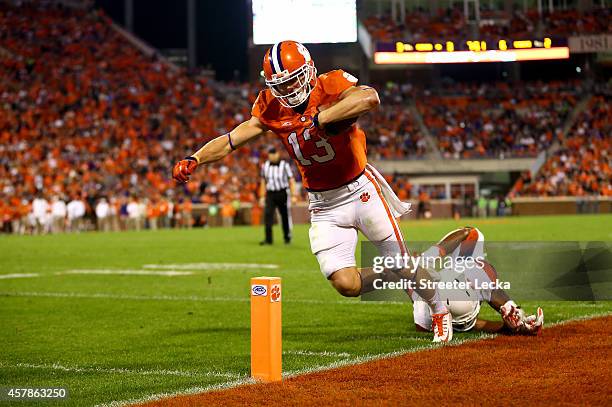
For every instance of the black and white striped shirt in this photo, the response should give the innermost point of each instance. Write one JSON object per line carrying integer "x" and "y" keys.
{"x": 276, "y": 176}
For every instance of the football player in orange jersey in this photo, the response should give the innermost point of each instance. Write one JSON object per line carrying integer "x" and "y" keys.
{"x": 315, "y": 117}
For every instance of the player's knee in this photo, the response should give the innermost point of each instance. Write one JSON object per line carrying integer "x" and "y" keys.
{"x": 347, "y": 282}
{"x": 348, "y": 291}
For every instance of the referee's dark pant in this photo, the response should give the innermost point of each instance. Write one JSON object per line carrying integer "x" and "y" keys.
{"x": 277, "y": 200}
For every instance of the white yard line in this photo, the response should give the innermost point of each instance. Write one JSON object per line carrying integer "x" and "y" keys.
{"x": 313, "y": 353}
{"x": 113, "y": 370}
{"x": 390, "y": 338}
{"x": 121, "y": 296}
{"x": 333, "y": 365}
{"x": 178, "y": 298}
{"x": 190, "y": 391}
{"x": 129, "y": 272}
{"x": 211, "y": 266}
{"x": 18, "y": 275}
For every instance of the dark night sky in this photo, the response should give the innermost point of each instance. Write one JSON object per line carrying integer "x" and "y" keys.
{"x": 222, "y": 29}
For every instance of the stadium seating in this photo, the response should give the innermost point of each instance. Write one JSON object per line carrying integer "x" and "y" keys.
{"x": 570, "y": 22}
{"x": 418, "y": 26}
{"x": 450, "y": 24}
{"x": 583, "y": 164}
{"x": 87, "y": 117}
{"x": 86, "y": 114}
{"x": 497, "y": 120}
{"x": 392, "y": 131}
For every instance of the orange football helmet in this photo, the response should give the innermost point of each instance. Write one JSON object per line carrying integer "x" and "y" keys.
{"x": 289, "y": 72}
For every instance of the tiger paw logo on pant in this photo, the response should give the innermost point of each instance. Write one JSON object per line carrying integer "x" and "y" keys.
{"x": 275, "y": 293}
{"x": 365, "y": 197}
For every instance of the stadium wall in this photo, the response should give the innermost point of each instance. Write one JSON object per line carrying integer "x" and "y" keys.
{"x": 454, "y": 166}
{"x": 441, "y": 209}
{"x": 528, "y": 206}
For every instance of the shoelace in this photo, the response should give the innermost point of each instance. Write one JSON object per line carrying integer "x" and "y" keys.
{"x": 438, "y": 325}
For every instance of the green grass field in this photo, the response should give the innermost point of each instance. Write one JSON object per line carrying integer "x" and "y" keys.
{"x": 125, "y": 337}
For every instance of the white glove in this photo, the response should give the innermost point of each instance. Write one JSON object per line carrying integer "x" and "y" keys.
{"x": 512, "y": 315}
{"x": 532, "y": 325}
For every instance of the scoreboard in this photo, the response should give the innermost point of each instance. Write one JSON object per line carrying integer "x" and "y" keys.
{"x": 453, "y": 51}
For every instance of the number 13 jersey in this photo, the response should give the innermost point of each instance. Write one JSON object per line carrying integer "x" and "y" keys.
{"x": 324, "y": 161}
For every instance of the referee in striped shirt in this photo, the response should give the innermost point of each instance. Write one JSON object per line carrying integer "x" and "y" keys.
{"x": 276, "y": 181}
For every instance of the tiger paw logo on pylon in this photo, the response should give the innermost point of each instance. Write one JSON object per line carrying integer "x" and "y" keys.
{"x": 275, "y": 293}
{"x": 365, "y": 197}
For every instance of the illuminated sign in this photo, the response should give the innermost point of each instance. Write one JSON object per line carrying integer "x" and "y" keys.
{"x": 448, "y": 52}
{"x": 471, "y": 56}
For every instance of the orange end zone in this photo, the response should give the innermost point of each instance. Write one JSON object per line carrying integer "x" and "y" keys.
{"x": 568, "y": 364}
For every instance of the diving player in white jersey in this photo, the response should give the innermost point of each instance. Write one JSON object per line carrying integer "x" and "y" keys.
{"x": 464, "y": 305}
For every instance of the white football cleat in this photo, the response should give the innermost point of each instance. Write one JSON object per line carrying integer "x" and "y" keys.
{"x": 442, "y": 325}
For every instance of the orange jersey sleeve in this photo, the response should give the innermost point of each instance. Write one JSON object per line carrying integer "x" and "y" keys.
{"x": 266, "y": 108}
{"x": 336, "y": 82}
{"x": 259, "y": 107}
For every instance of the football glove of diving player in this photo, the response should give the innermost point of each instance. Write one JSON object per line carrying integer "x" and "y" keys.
{"x": 532, "y": 325}
{"x": 184, "y": 168}
{"x": 512, "y": 315}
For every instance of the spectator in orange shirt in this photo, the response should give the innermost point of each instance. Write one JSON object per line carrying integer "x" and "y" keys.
{"x": 228, "y": 212}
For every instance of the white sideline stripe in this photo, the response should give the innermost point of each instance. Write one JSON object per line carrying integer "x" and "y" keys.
{"x": 118, "y": 370}
{"x": 313, "y": 353}
{"x": 120, "y": 296}
{"x": 18, "y": 275}
{"x": 187, "y": 392}
{"x": 170, "y": 273}
{"x": 391, "y": 338}
{"x": 333, "y": 365}
{"x": 210, "y": 266}
{"x": 175, "y": 298}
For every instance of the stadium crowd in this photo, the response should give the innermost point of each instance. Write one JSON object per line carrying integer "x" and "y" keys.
{"x": 571, "y": 22}
{"x": 497, "y": 120}
{"x": 419, "y": 25}
{"x": 90, "y": 127}
{"x": 449, "y": 23}
{"x": 582, "y": 166}
{"x": 86, "y": 116}
{"x": 392, "y": 132}
{"x": 89, "y": 118}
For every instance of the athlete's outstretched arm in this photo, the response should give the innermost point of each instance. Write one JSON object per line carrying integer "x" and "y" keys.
{"x": 218, "y": 148}
{"x": 221, "y": 146}
{"x": 354, "y": 102}
{"x": 492, "y": 327}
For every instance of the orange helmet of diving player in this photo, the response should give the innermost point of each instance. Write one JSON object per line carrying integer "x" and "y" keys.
{"x": 289, "y": 72}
